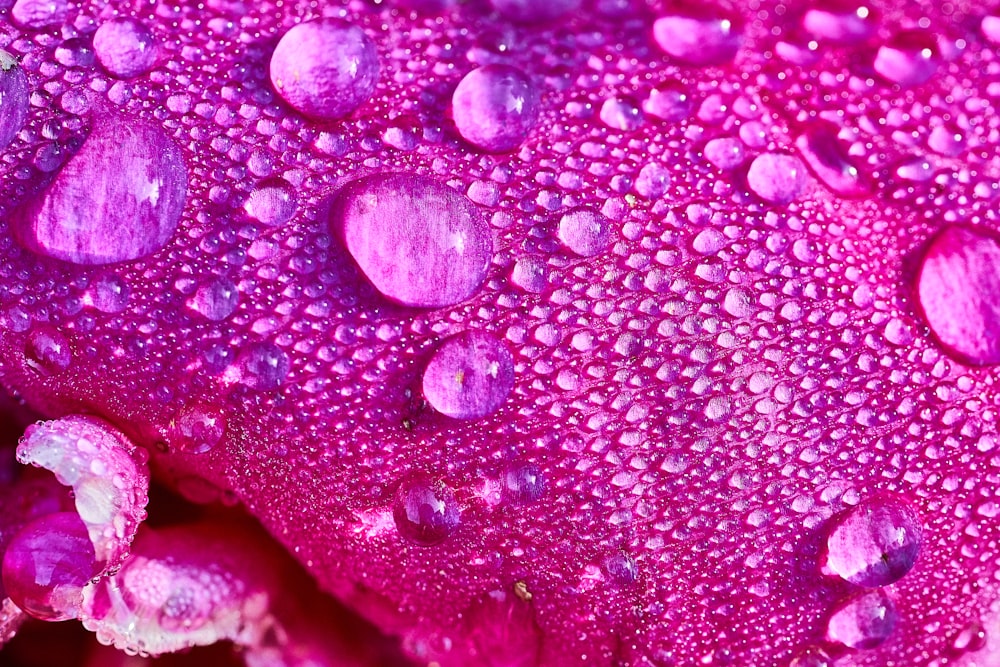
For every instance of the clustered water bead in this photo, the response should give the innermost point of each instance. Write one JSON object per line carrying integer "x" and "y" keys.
{"x": 875, "y": 543}
{"x": 325, "y": 68}
{"x": 126, "y": 48}
{"x": 470, "y": 376}
{"x": 495, "y": 107}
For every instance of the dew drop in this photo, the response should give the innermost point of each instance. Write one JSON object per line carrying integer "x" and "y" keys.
{"x": 724, "y": 152}
{"x": 523, "y": 483}
{"x": 495, "y": 107}
{"x": 910, "y": 58}
{"x": 469, "y": 376}
{"x": 530, "y": 273}
{"x": 990, "y": 26}
{"x": 863, "y": 622}
{"x": 621, "y": 114}
{"x": 48, "y": 351}
{"x": 875, "y": 543}
{"x": 125, "y": 48}
{"x": 263, "y": 366}
{"x": 425, "y": 510}
{"x": 699, "y": 36}
{"x": 530, "y": 11}
{"x": 215, "y": 300}
{"x": 325, "y": 68}
{"x": 669, "y": 103}
{"x": 272, "y": 202}
{"x": 970, "y": 639}
{"x": 840, "y": 22}
{"x": 621, "y": 570}
{"x": 653, "y": 181}
{"x": 119, "y": 198}
{"x": 811, "y": 656}
{"x": 197, "y": 428}
{"x": 14, "y": 98}
{"x": 776, "y": 178}
{"x": 418, "y": 242}
{"x": 825, "y": 156}
{"x": 585, "y": 232}
{"x": 958, "y": 289}
{"x": 109, "y": 293}
{"x": 39, "y": 14}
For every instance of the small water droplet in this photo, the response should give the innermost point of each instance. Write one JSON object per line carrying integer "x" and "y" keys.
{"x": 653, "y": 181}
{"x": 970, "y": 639}
{"x": 864, "y": 621}
{"x": 109, "y": 293}
{"x": 325, "y": 68}
{"x": 840, "y": 21}
{"x": 272, "y": 202}
{"x": 669, "y": 103}
{"x": 425, "y": 510}
{"x": 621, "y": 114}
{"x": 826, "y": 157}
{"x": 724, "y": 152}
{"x": 585, "y": 232}
{"x": 621, "y": 570}
{"x": 530, "y": 273}
{"x": 495, "y": 107}
{"x": 125, "y": 48}
{"x": 48, "y": 351}
{"x": 469, "y": 376}
{"x": 197, "y": 428}
{"x": 523, "y": 483}
{"x": 910, "y": 58}
{"x": 776, "y": 178}
{"x": 39, "y": 14}
{"x": 263, "y": 366}
{"x": 699, "y": 35}
{"x": 215, "y": 300}
{"x": 875, "y": 543}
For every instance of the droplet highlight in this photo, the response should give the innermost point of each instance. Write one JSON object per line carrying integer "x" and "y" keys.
{"x": 125, "y": 48}
{"x": 495, "y": 107}
{"x": 14, "y": 98}
{"x": 863, "y": 622}
{"x": 699, "y": 36}
{"x": 425, "y": 511}
{"x": 875, "y": 543}
{"x": 470, "y": 376}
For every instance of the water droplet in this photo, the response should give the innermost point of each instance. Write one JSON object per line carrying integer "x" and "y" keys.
{"x": 990, "y": 25}
{"x": 48, "y": 351}
{"x": 469, "y": 376}
{"x": 585, "y": 232}
{"x": 325, "y": 68}
{"x": 495, "y": 107}
{"x": 215, "y": 300}
{"x": 530, "y": 273}
{"x": 109, "y": 293}
{"x": 272, "y": 202}
{"x": 916, "y": 170}
{"x": 197, "y": 428}
{"x": 523, "y": 483}
{"x": 776, "y": 178}
{"x": 263, "y": 366}
{"x": 910, "y": 58}
{"x": 724, "y": 152}
{"x": 125, "y": 48}
{"x": 39, "y": 14}
{"x": 425, "y": 510}
{"x": 823, "y": 153}
{"x": 958, "y": 288}
{"x": 669, "y": 103}
{"x": 621, "y": 570}
{"x": 875, "y": 543}
{"x": 946, "y": 141}
{"x": 840, "y": 22}
{"x": 530, "y": 11}
{"x": 699, "y": 36}
{"x": 14, "y": 98}
{"x": 970, "y": 639}
{"x": 863, "y": 622}
{"x": 811, "y": 656}
{"x": 419, "y": 242}
{"x": 621, "y": 114}
{"x": 119, "y": 198}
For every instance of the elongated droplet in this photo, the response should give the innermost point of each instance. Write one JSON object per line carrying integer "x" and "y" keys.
{"x": 470, "y": 376}
{"x": 125, "y": 47}
{"x": 909, "y": 59}
{"x": 38, "y": 14}
{"x": 14, "y": 98}
{"x": 863, "y": 622}
{"x": 699, "y": 36}
{"x": 875, "y": 543}
{"x": 826, "y": 157}
{"x": 118, "y": 199}
{"x": 425, "y": 511}
{"x": 958, "y": 287}
{"x": 495, "y": 107}
{"x": 325, "y": 68}
{"x": 776, "y": 178}
{"x": 840, "y": 22}
{"x": 419, "y": 242}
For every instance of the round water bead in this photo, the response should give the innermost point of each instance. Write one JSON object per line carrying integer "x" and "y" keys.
{"x": 863, "y": 622}
{"x": 495, "y": 107}
{"x": 272, "y": 202}
{"x": 909, "y": 58}
{"x": 875, "y": 543}
{"x": 125, "y": 47}
{"x": 425, "y": 510}
{"x": 469, "y": 376}
{"x": 585, "y": 232}
{"x": 699, "y": 35}
{"x": 776, "y": 178}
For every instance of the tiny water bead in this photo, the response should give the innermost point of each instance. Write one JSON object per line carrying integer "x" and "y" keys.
{"x": 14, "y": 98}
{"x": 875, "y": 543}
{"x": 958, "y": 290}
{"x": 272, "y": 202}
{"x": 585, "y": 232}
{"x": 495, "y": 107}
{"x": 910, "y": 58}
{"x": 425, "y": 510}
{"x": 863, "y": 622}
{"x": 699, "y": 35}
{"x": 125, "y": 48}
{"x": 419, "y": 243}
{"x": 325, "y": 68}
{"x": 118, "y": 199}
{"x": 776, "y": 178}
{"x": 470, "y": 376}
{"x": 47, "y": 564}
{"x": 215, "y": 300}
{"x": 530, "y": 11}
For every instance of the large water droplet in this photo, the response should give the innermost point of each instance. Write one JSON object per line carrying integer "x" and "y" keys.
{"x": 826, "y": 157}
{"x": 125, "y": 47}
{"x": 530, "y": 273}
{"x": 118, "y": 199}
{"x": 531, "y": 11}
{"x": 425, "y": 510}
{"x": 14, "y": 98}
{"x": 47, "y": 564}
{"x": 699, "y": 35}
{"x": 909, "y": 58}
{"x": 776, "y": 178}
{"x": 863, "y": 622}
{"x": 419, "y": 242}
{"x": 585, "y": 232}
{"x": 197, "y": 428}
{"x": 875, "y": 543}
{"x": 48, "y": 351}
{"x": 109, "y": 294}
{"x": 272, "y": 202}
{"x": 523, "y": 483}
{"x": 39, "y": 14}
{"x": 495, "y": 107}
{"x": 958, "y": 288}
{"x": 840, "y": 21}
{"x": 263, "y": 366}
{"x": 215, "y": 300}
{"x": 469, "y": 376}
{"x": 325, "y": 68}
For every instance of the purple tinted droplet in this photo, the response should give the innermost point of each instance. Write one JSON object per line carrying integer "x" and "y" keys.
{"x": 419, "y": 242}
{"x": 523, "y": 483}
{"x": 530, "y": 273}
{"x": 724, "y": 152}
{"x": 325, "y": 68}
{"x": 532, "y": 11}
{"x": 263, "y": 366}
{"x": 621, "y": 570}
{"x": 827, "y": 158}
{"x": 14, "y": 98}
{"x": 272, "y": 202}
{"x": 125, "y": 48}
{"x": 47, "y": 351}
{"x": 47, "y": 564}
{"x": 39, "y": 14}
{"x": 621, "y": 114}
{"x": 197, "y": 428}
{"x": 653, "y": 181}
{"x": 875, "y": 543}
{"x": 840, "y": 21}
{"x": 776, "y": 178}
{"x": 495, "y": 107}
{"x": 585, "y": 232}
{"x": 699, "y": 35}
{"x": 958, "y": 288}
{"x": 669, "y": 103}
{"x": 118, "y": 199}
{"x": 990, "y": 26}
{"x": 863, "y": 622}
{"x": 425, "y": 511}
{"x": 109, "y": 294}
{"x": 215, "y": 300}
{"x": 469, "y": 376}
{"x": 909, "y": 58}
